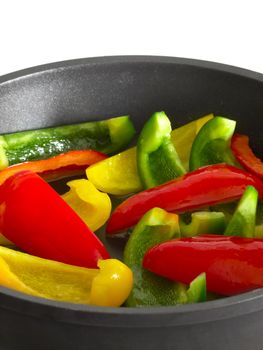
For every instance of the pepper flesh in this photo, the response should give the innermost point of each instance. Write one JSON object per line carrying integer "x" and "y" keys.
{"x": 57, "y": 281}
{"x": 203, "y": 221}
{"x": 118, "y": 174}
{"x": 112, "y": 286}
{"x": 91, "y": 205}
{"x": 232, "y": 265}
{"x": 156, "y": 226}
{"x": 107, "y": 136}
{"x": 243, "y": 220}
{"x": 184, "y": 136}
{"x": 203, "y": 187}
{"x": 44, "y": 224}
{"x": 245, "y": 155}
{"x": 54, "y": 168}
{"x": 157, "y": 159}
{"x": 212, "y": 144}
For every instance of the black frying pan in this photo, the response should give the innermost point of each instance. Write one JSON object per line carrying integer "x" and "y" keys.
{"x": 97, "y": 88}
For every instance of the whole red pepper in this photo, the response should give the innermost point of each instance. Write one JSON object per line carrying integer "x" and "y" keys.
{"x": 62, "y": 165}
{"x": 232, "y": 265}
{"x": 37, "y": 220}
{"x": 200, "y": 188}
{"x": 245, "y": 156}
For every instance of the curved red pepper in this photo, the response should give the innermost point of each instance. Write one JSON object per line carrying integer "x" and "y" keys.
{"x": 37, "y": 220}
{"x": 232, "y": 265}
{"x": 200, "y": 188}
{"x": 65, "y": 164}
{"x": 245, "y": 156}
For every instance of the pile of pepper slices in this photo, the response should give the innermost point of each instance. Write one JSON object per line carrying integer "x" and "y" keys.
{"x": 191, "y": 196}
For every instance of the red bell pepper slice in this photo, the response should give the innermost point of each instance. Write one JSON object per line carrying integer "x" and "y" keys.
{"x": 245, "y": 156}
{"x": 232, "y": 265}
{"x": 203, "y": 187}
{"x": 37, "y": 220}
{"x": 65, "y": 164}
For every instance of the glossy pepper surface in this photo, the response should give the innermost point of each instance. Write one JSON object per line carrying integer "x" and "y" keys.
{"x": 91, "y": 205}
{"x": 107, "y": 286}
{"x": 38, "y": 221}
{"x": 232, "y": 265}
{"x": 242, "y": 223}
{"x": 155, "y": 227}
{"x": 200, "y": 188}
{"x": 107, "y": 136}
{"x": 203, "y": 221}
{"x": 118, "y": 174}
{"x": 157, "y": 159}
{"x": 62, "y": 165}
{"x": 245, "y": 155}
{"x": 212, "y": 144}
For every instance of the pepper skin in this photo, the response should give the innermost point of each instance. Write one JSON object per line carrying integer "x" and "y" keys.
{"x": 243, "y": 220}
{"x": 54, "y": 168}
{"x": 155, "y": 227}
{"x": 157, "y": 159}
{"x": 38, "y": 221}
{"x": 109, "y": 285}
{"x": 118, "y": 174}
{"x": 232, "y": 265}
{"x": 212, "y": 144}
{"x": 203, "y": 187}
{"x": 108, "y": 136}
{"x": 245, "y": 156}
{"x": 91, "y": 205}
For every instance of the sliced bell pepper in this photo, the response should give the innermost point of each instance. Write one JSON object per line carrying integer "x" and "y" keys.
{"x": 107, "y": 136}
{"x": 232, "y": 265}
{"x": 118, "y": 175}
{"x": 91, "y": 205}
{"x": 259, "y": 220}
{"x": 155, "y": 227}
{"x": 54, "y": 168}
{"x": 38, "y": 221}
{"x": 212, "y": 144}
{"x": 243, "y": 220}
{"x": 245, "y": 156}
{"x": 112, "y": 286}
{"x": 203, "y": 221}
{"x": 203, "y": 187}
{"x": 197, "y": 289}
{"x": 109, "y": 285}
{"x": 183, "y": 138}
{"x": 157, "y": 159}
{"x": 258, "y": 231}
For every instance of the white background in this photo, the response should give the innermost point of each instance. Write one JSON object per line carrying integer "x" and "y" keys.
{"x": 37, "y": 32}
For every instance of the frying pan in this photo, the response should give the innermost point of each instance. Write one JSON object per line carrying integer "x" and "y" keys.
{"x": 98, "y": 88}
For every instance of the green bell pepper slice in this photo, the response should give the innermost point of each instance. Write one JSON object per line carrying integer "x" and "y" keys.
{"x": 203, "y": 222}
{"x": 243, "y": 220}
{"x": 155, "y": 227}
{"x": 212, "y": 144}
{"x": 157, "y": 159}
{"x": 107, "y": 136}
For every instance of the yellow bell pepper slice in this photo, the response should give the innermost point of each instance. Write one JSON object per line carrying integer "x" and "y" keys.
{"x": 114, "y": 276}
{"x": 93, "y": 206}
{"x": 108, "y": 286}
{"x": 183, "y": 137}
{"x": 118, "y": 174}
